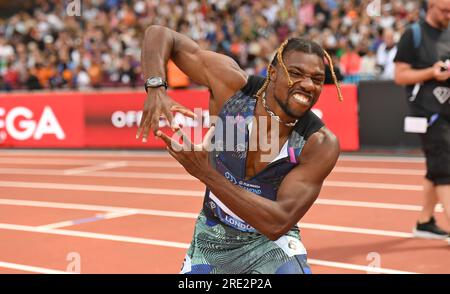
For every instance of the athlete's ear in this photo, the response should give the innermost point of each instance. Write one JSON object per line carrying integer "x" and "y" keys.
{"x": 272, "y": 72}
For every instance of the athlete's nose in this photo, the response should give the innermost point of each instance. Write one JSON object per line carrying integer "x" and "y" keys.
{"x": 307, "y": 84}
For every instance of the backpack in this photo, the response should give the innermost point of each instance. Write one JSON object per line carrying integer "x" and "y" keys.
{"x": 417, "y": 34}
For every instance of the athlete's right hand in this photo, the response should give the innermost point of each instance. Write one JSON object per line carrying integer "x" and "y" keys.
{"x": 159, "y": 104}
{"x": 438, "y": 73}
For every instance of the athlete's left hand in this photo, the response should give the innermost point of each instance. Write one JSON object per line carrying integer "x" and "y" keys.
{"x": 194, "y": 158}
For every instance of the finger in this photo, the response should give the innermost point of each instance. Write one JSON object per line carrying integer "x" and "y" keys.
{"x": 172, "y": 123}
{"x": 152, "y": 122}
{"x": 183, "y": 110}
{"x": 155, "y": 124}
{"x": 146, "y": 127}
{"x": 172, "y": 153}
{"x": 141, "y": 124}
{"x": 171, "y": 144}
{"x": 207, "y": 139}
{"x": 186, "y": 141}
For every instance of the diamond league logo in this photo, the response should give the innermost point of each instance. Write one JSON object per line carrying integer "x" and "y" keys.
{"x": 442, "y": 94}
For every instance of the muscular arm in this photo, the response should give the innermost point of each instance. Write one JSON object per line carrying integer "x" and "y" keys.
{"x": 298, "y": 191}
{"x": 216, "y": 71}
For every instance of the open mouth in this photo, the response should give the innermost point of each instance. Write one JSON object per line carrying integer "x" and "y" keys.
{"x": 302, "y": 98}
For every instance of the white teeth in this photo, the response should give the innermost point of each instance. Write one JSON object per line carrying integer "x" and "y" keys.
{"x": 301, "y": 98}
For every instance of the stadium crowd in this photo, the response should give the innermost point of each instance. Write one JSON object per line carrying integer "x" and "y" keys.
{"x": 57, "y": 44}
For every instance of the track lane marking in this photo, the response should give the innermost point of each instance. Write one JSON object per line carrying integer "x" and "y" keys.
{"x": 179, "y": 192}
{"x": 163, "y": 154}
{"x": 356, "y": 267}
{"x": 164, "y": 243}
{"x": 320, "y": 201}
{"x": 303, "y": 225}
{"x": 94, "y": 168}
{"x": 96, "y": 218}
{"x": 95, "y": 171}
{"x": 33, "y": 269}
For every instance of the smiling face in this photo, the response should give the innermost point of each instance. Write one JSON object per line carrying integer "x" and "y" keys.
{"x": 307, "y": 72}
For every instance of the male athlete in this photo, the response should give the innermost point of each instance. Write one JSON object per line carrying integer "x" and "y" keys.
{"x": 248, "y": 223}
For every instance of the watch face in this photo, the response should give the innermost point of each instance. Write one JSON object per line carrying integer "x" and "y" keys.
{"x": 155, "y": 82}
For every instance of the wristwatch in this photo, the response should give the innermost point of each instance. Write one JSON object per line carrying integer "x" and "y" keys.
{"x": 155, "y": 82}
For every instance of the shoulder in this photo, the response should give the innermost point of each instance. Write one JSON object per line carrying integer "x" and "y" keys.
{"x": 224, "y": 75}
{"x": 252, "y": 85}
{"x": 407, "y": 36}
{"x": 322, "y": 145}
{"x": 405, "y": 47}
{"x": 309, "y": 124}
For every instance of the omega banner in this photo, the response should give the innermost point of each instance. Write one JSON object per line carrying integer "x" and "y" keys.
{"x": 110, "y": 119}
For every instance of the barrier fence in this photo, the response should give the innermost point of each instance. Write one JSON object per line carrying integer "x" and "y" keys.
{"x": 109, "y": 120}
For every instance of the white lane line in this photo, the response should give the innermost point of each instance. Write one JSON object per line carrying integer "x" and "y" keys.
{"x": 179, "y": 192}
{"x": 367, "y": 185}
{"x": 381, "y": 171}
{"x": 356, "y": 267}
{"x": 98, "y": 217}
{"x": 55, "y": 225}
{"x": 311, "y": 261}
{"x": 84, "y": 153}
{"x": 143, "y": 175}
{"x": 112, "y": 209}
{"x": 33, "y": 269}
{"x": 102, "y": 174}
{"x": 117, "y": 214}
{"x": 181, "y": 176}
{"x": 98, "y": 236}
{"x": 370, "y": 158}
{"x": 323, "y": 201}
{"x": 354, "y": 230}
{"x": 93, "y": 168}
{"x": 163, "y": 243}
{"x": 193, "y": 216}
{"x": 82, "y": 162}
{"x": 162, "y": 153}
{"x": 170, "y": 162}
{"x": 101, "y": 188}
{"x": 51, "y": 161}
{"x": 320, "y": 201}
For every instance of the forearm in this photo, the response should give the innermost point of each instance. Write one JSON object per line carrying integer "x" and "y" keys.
{"x": 157, "y": 48}
{"x": 413, "y": 76}
{"x": 266, "y": 216}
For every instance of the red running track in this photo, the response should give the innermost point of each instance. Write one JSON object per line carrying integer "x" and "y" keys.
{"x": 134, "y": 212}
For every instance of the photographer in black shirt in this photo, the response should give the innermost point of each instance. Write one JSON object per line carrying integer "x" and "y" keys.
{"x": 423, "y": 66}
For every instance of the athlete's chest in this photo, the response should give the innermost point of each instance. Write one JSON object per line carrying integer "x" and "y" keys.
{"x": 259, "y": 154}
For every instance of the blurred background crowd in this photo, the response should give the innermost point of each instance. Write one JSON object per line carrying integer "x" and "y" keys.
{"x": 81, "y": 44}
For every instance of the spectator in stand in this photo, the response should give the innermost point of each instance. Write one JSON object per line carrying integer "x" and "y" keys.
{"x": 31, "y": 81}
{"x": 350, "y": 64}
{"x": 385, "y": 55}
{"x": 369, "y": 66}
{"x": 105, "y": 38}
{"x": 82, "y": 79}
